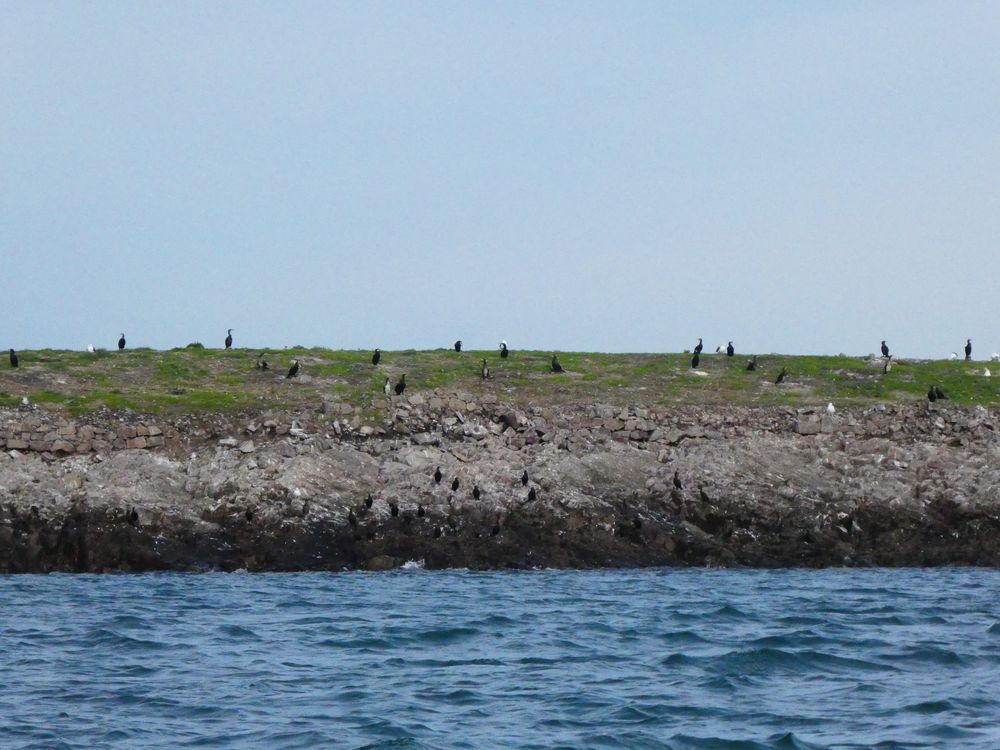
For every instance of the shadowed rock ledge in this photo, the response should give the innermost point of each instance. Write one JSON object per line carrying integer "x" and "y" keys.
{"x": 770, "y": 486}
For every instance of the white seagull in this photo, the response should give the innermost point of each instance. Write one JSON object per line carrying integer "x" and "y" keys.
{"x": 830, "y": 409}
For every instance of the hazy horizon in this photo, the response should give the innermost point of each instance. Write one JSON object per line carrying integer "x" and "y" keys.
{"x": 618, "y": 177}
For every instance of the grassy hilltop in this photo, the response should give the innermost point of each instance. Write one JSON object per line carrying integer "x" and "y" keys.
{"x": 198, "y": 379}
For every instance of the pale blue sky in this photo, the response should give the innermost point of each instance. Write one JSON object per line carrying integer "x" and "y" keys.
{"x": 798, "y": 177}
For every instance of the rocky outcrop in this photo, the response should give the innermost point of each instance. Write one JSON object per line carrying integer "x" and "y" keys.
{"x": 342, "y": 487}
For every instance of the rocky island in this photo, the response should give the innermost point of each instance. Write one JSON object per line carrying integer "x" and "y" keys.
{"x": 197, "y": 459}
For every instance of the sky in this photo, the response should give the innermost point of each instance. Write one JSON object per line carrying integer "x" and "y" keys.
{"x": 797, "y": 177}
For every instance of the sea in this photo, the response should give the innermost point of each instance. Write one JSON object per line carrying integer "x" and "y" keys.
{"x": 664, "y": 658}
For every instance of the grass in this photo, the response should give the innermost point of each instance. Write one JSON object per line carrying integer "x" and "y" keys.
{"x": 193, "y": 379}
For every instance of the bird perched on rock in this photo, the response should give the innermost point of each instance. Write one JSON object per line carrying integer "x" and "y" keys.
{"x": 752, "y": 364}
{"x": 704, "y": 495}
{"x": 885, "y": 349}
{"x": 376, "y": 356}
{"x": 556, "y": 367}
{"x": 931, "y": 394}
{"x": 438, "y": 475}
{"x": 524, "y": 478}
{"x": 677, "y": 481}
{"x": 532, "y": 495}
{"x": 369, "y": 501}
{"x": 476, "y": 494}
{"x": 14, "y": 361}
{"x": 730, "y": 349}
{"x": 248, "y": 514}
{"x": 351, "y": 518}
{"x": 698, "y": 347}
{"x": 486, "y": 370}
{"x": 420, "y": 510}
{"x": 293, "y": 371}
{"x": 133, "y": 516}
{"x": 968, "y": 349}
{"x": 695, "y": 361}
{"x": 393, "y": 509}
{"x": 503, "y": 350}
{"x": 387, "y": 388}
{"x": 121, "y": 342}
{"x": 781, "y": 377}
{"x": 458, "y": 345}
{"x": 454, "y": 485}
{"x": 229, "y": 338}
{"x": 831, "y": 409}
{"x": 401, "y": 385}
{"x": 437, "y": 532}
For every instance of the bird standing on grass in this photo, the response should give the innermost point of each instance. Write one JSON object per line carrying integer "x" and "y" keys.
{"x": 376, "y": 356}
{"x": 556, "y": 367}
{"x": 486, "y": 370}
{"x": 293, "y": 371}
{"x": 401, "y": 385}
{"x": 13, "y": 358}
{"x": 458, "y": 345}
{"x": 752, "y": 364}
{"x": 968, "y": 349}
{"x": 121, "y": 342}
{"x": 781, "y": 377}
{"x": 229, "y": 338}
{"x": 730, "y": 349}
{"x": 503, "y": 350}
{"x": 387, "y": 388}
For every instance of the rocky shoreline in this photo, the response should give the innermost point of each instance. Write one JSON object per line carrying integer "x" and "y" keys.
{"x": 887, "y": 485}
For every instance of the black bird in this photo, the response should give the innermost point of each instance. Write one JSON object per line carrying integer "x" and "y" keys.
{"x": 393, "y": 509}
{"x": 752, "y": 364}
{"x": 229, "y": 338}
{"x": 677, "y": 480}
{"x": 885, "y": 350}
{"x": 133, "y": 516}
{"x": 524, "y": 478}
{"x": 939, "y": 393}
{"x": 351, "y": 518}
{"x": 458, "y": 345}
{"x": 931, "y": 394}
{"x": 454, "y": 485}
{"x": 452, "y": 523}
{"x": 420, "y": 510}
{"x": 781, "y": 377}
{"x": 532, "y": 495}
{"x": 486, "y": 370}
{"x": 121, "y": 342}
{"x": 475, "y": 492}
{"x": 387, "y": 388}
{"x": 248, "y": 514}
{"x": 293, "y": 370}
{"x": 13, "y": 359}
{"x": 637, "y": 523}
{"x": 695, "y": 360}
{"x": 699, "y": 347}
{"x": 730, "y": 351}
{"x": 376, "y": 356}
{"x": 503, "y": 350}
{"x": 437, "y": 532}
{"x": 968, "y": 349}
{"x": 369, "y": 501}
{"x": 438, "y": 475}
{"x": 261, "y": 362}
{"x": 556, "y": 367}
{"x": 401, "y": 385}
{"x": 704, "y": 495}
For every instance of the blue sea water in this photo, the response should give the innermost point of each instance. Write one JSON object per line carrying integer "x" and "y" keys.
{"x": 415, "y": 659}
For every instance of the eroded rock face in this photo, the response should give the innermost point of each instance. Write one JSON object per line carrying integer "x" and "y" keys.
{"x": 887, "y": 485}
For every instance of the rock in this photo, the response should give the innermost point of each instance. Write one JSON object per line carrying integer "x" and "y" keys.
{"x": 229, "y": 442}
{"x": 247, "y": 446}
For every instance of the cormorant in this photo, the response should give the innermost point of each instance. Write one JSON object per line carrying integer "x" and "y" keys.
{"x": 293, "y": 370}
{"x": 939, "y": 393}
{"x": 387, "y": 388}
{"x": 503, "y": 350}
{"x": 699, "y": 347}
{"x": 351, "y": 518}
{"x": 524, "y": 478}
{"x": 458, "y": 345}
{"x": 730, "y": 351}
{"x": 486, "y": 370}
{"x": 968, "y": 349}
{"x": 885, "y": 350}
{"x": 401, "y": 385}
{"x": 454, "y": 485}
{"x": 229, "y": 338}
{"x": 752, "y": 364}
{"x": 931, "y": 395}
{"x": 420, "y": 510}
{"x": 13, "y": 359}
{"x": 781, "y": 377}
{"x": 437, "y": 532}
{"x": 475, "y": 492}
{"x": 532, "y": 495}
{"x": 261, "y": 362}
{"x": 438, "y": 475}
{"x": 369, "y": 501}
{"x": 248, "y": 514}
{"x": 121, "y": 342}
{"x": 556, "y": 367}
{"x": 695, "y": 360}
{"x": 393, "y": 509}
{"x": 376, "y": 356}
{"x": 704, "y": 495}
{"x": 677, "y": 480}
{"x": 133, "y": 516}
